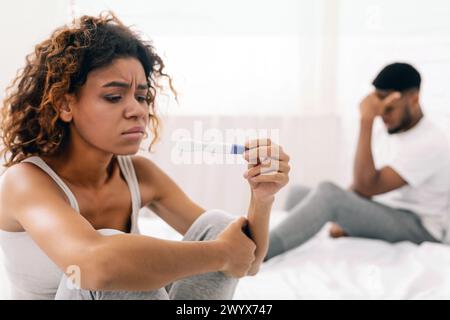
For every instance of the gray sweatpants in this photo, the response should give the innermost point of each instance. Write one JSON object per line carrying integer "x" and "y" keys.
{"x": 309, "y": 210}
{"x": 214, "y": 285}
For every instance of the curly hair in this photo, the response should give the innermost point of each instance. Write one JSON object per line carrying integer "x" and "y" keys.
{"x": 30, "y": 123}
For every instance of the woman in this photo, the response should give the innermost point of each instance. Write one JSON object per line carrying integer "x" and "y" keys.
{"x": 70, "y": 196}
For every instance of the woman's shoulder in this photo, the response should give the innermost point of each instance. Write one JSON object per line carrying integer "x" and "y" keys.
{"x": 20, "y": 176}
{"x": 23, "y": 172}
{"x": 143, "y": 167}
{"x": 19, "y": 181}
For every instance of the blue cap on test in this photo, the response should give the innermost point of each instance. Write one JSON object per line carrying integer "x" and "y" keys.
{"x": 237, "y": 149}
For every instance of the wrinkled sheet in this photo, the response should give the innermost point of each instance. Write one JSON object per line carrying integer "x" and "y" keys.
{"x": 351, "y": 268}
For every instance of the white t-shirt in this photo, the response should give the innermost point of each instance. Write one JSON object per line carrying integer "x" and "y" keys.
{"x": 421, "y": 156}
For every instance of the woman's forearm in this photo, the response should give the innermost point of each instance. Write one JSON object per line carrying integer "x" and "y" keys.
{"x": 135, "y": 262}
{"x": 258, "y": 221}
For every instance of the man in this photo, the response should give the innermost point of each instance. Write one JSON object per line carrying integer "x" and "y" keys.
{"x": 400, "y": 189}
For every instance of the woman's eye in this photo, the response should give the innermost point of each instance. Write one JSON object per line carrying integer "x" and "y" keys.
{"x": 141, "y": 98}
{"x": 113, "y": 99}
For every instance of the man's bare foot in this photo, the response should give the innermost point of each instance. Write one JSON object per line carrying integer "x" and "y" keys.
{"x": 336, "y": 231}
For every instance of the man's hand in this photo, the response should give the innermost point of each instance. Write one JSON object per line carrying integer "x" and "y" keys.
{"x": 367, "y": 179}
{"x": 372, "y": 106}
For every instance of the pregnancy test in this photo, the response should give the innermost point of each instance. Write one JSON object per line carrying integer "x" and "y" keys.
{"x": 220, "y": 148}
{"x": 211, "y": 147}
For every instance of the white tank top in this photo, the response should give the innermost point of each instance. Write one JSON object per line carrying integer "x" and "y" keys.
{"x": 31, "y": 273}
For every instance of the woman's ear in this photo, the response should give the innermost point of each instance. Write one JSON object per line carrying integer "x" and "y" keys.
{"x": 65, "y": 112}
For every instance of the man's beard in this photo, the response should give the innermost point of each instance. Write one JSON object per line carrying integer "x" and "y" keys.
{"x": 404, "y": 124}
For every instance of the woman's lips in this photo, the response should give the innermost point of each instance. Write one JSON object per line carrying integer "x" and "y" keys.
{"x": 133, "y": 135}
{"x": 137, "y": 129}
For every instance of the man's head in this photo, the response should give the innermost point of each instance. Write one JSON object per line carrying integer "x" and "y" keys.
{"x": 404, "y": 112}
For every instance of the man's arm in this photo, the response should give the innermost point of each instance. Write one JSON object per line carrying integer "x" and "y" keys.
{"x": 367, "y": 180}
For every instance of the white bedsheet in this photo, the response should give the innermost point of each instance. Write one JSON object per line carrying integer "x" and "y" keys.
{"x": 351, "y": 268}
{"x": 346, "y": 268}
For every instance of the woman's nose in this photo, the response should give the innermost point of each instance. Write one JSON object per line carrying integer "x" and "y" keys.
{"x": 136, "y": 109}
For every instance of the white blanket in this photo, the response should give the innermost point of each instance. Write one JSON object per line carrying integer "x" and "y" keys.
{"x": 345, "y": 268}
{"x": 350, "y": 268}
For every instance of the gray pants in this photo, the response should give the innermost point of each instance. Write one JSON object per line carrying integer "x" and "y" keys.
{"x": 309, "y": 210}
{"x": 214, "y": 285}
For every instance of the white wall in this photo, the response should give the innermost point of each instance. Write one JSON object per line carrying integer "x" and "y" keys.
{"x": 313, "y": 142}
{"x": 372, "y": 34}
{"x": 300, "y": 66}
{"x": 23, "y": 24}
{"x": 236, "y": 57}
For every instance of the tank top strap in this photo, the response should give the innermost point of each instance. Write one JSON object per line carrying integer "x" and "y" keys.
{"x": 127, "y": 168}
{"x": 45, "y": 167}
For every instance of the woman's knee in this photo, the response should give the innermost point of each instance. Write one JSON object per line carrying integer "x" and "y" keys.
{"x": 68, "y": 290}
{"x": 208, "y": 225}
{"x": 215, "y": 217}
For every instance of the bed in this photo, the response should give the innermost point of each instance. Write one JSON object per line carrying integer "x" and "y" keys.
{"x": 351, "y": 268}
{"x": 325, "y": 268}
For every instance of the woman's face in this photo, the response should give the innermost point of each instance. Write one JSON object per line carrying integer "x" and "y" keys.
{"x": 110, "y": 112}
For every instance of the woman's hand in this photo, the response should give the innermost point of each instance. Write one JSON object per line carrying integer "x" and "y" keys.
{"x": 268, "y": 168}
{"x": 239, "y": 250}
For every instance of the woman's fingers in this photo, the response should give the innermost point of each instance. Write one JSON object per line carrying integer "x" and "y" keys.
{"x": 267, "y": 162}
{"x": 250, "y": 144}
{"x": 258, "y": 154}
{"x": 279, "y": 177}
{"x": 271, "y": 165}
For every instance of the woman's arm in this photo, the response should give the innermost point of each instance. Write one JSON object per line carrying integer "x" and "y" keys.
{"x": 164, "y": 197}
{"x": 263, "y": 190}
{"x": 258, "y": 222}
{"x": 173, "y": 206}
{"x": 118, "y": 262}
